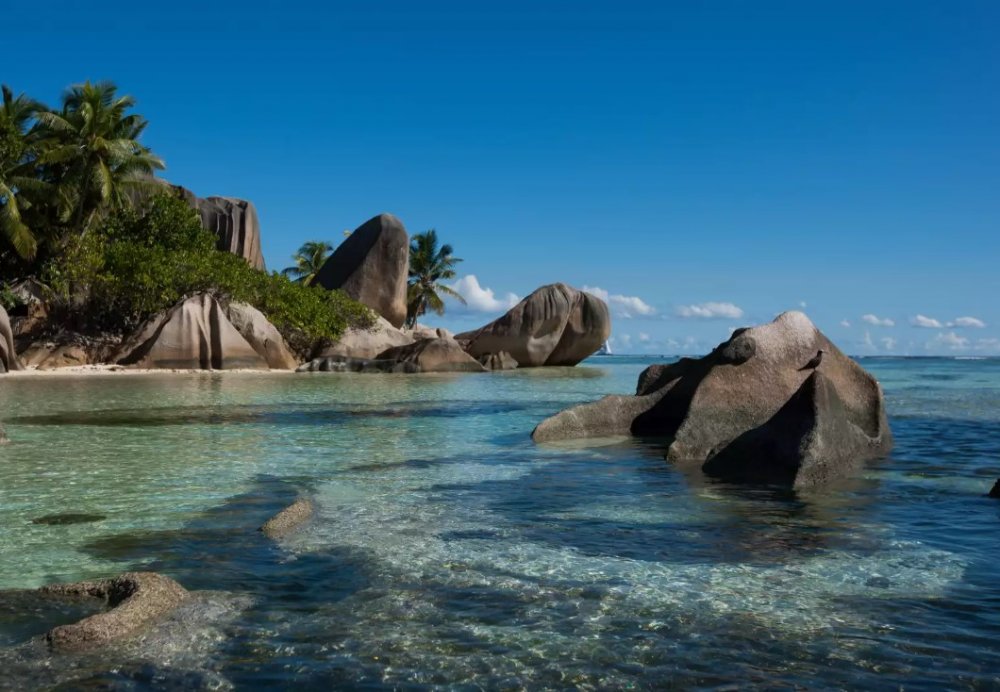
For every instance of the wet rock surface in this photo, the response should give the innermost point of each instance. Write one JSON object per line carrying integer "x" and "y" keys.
{"x": 288, "y": 519}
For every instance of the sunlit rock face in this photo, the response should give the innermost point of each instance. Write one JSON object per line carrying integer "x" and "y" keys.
{"x": 555, "y": 325}
{"x": 8, "y": 356}
{"x": 372, "y": 267}
{"x": 234, "y": 223}
{"x": 195, "y": 334}
{"x": 775, "y": 403}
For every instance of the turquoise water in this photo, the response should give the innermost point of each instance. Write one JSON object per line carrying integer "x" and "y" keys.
{"x": 448, "y": 549}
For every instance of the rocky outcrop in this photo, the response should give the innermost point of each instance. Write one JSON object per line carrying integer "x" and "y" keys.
{"x": 995, "y": 492}
{"x": 555, "y": 325}
{"x": 421, "y": 331}
{"x": 135, "y": 599}
{"x": 367, "y": 343}
{"x": 360, "y": 365}
{"x": 8, "y": 354}
{"x": 775, "y": 403}
{"x": 498, "y": 361}
{"x": 371, "y": 266}
{"x": 68, "y": 349}
{"x": 235, "y": 225}
{"x": 262, "y": 336}
{"x": 288, "y": 519}
{"x": 434, "y": 355}
{"x": 195, "y": 334}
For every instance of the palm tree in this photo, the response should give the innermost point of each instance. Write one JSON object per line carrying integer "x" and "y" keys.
{"x": 308, "y": 260}
{"x": 15, "y": 116}
{"x": 92, "y": 148}
{"x": 429, "y": 266}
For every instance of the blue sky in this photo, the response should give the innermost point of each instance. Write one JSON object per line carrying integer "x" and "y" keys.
{"x": 708, "y": 165}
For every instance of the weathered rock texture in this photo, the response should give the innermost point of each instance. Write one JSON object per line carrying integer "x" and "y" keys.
{"x": 361, "y": 365}
{"x": 371, "y": 266}
{"x": 195, "y": 334}
{"x": 288, "y": 519}
{"x": 752, "y": 410}
{"x": 434, "y": 355}
{"x": 8, "y": 355}
{"x": 234, "y": 222}
{"x": 421, "y": 331}
{"x": 135, "y": 599}
{"x": 555, "y": 325}
{"x": 367, "y": 343}
{"x": 68, "y": 349}
{"x": 262, "y": 336}
{"x": 498, "y": 361}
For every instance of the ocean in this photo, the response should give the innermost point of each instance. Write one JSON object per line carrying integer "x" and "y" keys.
{"x": 448, "y": 549}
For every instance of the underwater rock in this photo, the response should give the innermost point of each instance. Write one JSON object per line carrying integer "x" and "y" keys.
{"x": 372, "y": 266}
{"x": 288, "y": 519}
{"x": 555, "y": 325}
{"x": 775, "y": 403}
{"x": 68, "y": 518}
{"x": 135, "y": 599}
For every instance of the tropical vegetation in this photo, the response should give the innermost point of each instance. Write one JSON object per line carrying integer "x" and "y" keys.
{"x": 81, "y": 211}
{"x": 430, "y": 266}
{"x": 308, "y": 260}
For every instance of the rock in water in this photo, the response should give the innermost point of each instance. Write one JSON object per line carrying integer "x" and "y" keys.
{"x": 498, "y": 361}
{"x": 434, "y": 355}
{"x": 555, "y": 325}
{"x": 135, "y": 598}
{"x": 993, "y": 493}
{"x": 367, "y": 343}
{"x": 371, "y": 266}
{"x": 235, "y": 225}
{"x": 262, "y": 336}
{"x": 288, "y": 519}
{"x": 195, "y": 334}
{"x": 750, "y": 410}
{"x": 8, "y": 356}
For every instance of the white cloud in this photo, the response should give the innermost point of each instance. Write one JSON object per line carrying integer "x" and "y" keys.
{"x": 973, "y": 322}
{"x": 623, "y": 306}
{"x": 925, "y": 322}
{"x": 480, "y": 299}
{"x": 877, "y": 321}
{"x": 949, "y": 340}
{"x": 845, "y": 323}
{"x": 709, "y": 311}
{"x": 888, "y": 343}
{"x": 643, "y": 337}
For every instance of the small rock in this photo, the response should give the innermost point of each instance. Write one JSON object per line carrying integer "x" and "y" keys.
{"x": 288, "y": 519}
{"x": 68, "y": 518}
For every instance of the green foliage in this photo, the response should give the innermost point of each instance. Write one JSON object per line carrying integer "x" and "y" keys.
{"x": 8, "y": 299}
{"x": 429, "y": 267}
{"x": 308, "y": 260}
{"x": 137, "y": 265}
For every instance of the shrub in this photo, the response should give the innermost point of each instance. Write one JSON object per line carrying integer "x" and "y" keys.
{"x": 140, "y": 264}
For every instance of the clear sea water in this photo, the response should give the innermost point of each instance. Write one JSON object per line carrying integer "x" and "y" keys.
{"x": 449, "y": 550}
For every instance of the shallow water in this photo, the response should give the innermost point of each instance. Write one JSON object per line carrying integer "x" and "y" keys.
{"x": 448, "y": 549}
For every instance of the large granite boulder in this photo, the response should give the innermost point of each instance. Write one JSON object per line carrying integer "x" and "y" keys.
{"x": 367, "y": 343}
{"x": 371, "y": 266}
{"x": 195, "y": 334}
{"x": 775, "y": 403}
{"x": 434, "y": 355}
{"x": 555, "y": 325}
{"x": 8, "y": 354}
{"x": 235, "y": 225}
{"x": 262, "y": 336}
{"x": 498, "y": 361}
{"x": 135, "y": 599}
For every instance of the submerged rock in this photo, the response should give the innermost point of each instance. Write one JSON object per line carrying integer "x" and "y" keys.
{"x": 8, "y": 355}
{"x": 372, "y": 266}
{"x": 288, "y": 519}
{"x": 776, "y": 403}
{"x": 498, "y": 361}
{"x": 195, "y": 334}
{"x": 555, "y": 325}
{"x": 995, "y": 492}
{"x": 68, "y": 518}
{"x": 434, "y": 355}
{"x": 135, "y": 599}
